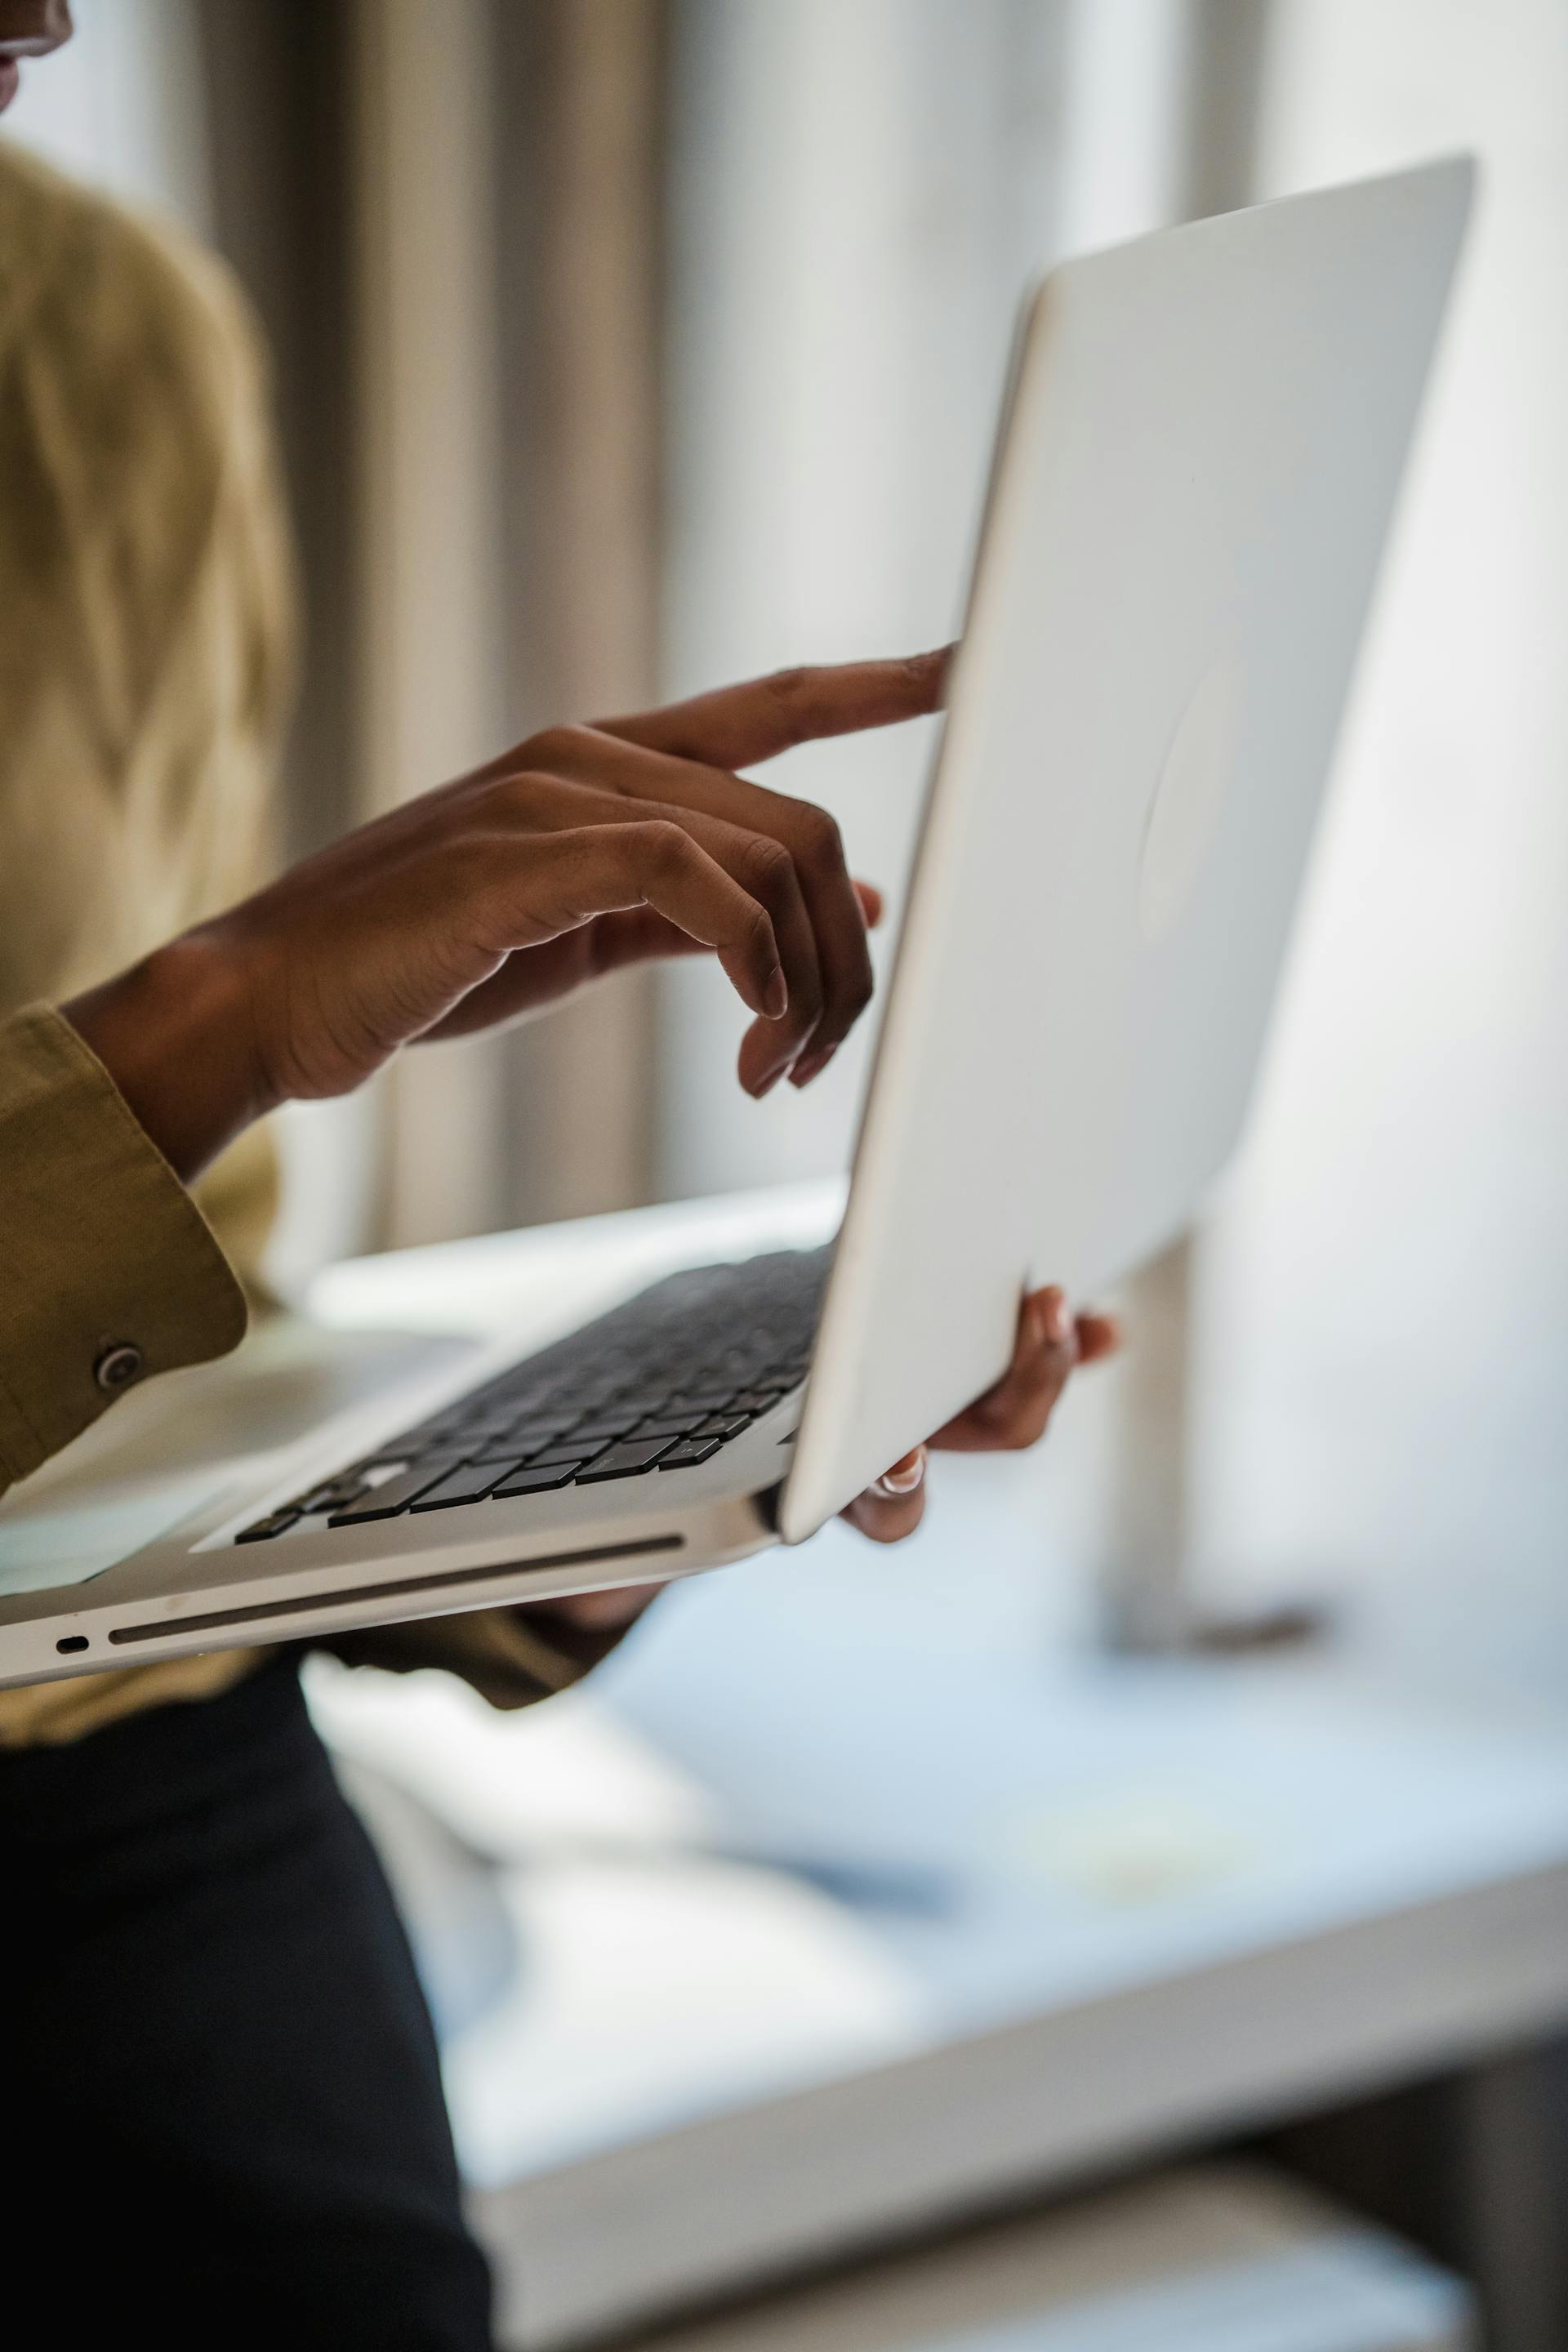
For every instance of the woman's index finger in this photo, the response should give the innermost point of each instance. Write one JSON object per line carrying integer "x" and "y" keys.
{"x": 737, "y": 726}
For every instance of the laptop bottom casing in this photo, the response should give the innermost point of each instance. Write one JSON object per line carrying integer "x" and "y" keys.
{"x": 192, "y": 1588}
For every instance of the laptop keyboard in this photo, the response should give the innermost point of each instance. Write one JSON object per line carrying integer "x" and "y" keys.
{"x": 660, "y": 1383}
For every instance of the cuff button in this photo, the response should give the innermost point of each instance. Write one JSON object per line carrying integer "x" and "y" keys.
{"x": 118, "y": 1367}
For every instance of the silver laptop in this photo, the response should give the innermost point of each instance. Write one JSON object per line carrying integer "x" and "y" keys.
{"x": 1200, "y": 449}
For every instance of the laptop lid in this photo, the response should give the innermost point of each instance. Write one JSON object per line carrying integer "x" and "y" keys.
{"x": 1193, "y": 487}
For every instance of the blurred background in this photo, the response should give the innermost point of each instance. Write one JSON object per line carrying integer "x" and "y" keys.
{"x": 625, "y": 346}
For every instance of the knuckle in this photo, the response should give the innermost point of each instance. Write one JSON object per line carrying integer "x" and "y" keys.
{"x": 766, "y": 866}
{"x": 553, "y": 745}
{"x": 518, "y": 795}
{"x": 789, "y": 685}
{"x": 821, "y": 841}
{"x": 659, "y": 845}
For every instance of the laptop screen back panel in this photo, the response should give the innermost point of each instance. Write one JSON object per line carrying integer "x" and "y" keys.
{"x": 1195, "y": 485}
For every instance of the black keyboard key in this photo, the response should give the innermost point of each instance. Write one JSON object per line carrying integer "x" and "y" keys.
{"x": 276, "y": 1523}
{"x": 386, "y": 1501}
{"x": 334, "y": 1496}
{"x": 471, "y": 1484}
{"x": 701, "y": 1353}
{"x": 627, "y": 1461}
{"x": 538, "y": 1478}
{"x": 689, "y": 1453}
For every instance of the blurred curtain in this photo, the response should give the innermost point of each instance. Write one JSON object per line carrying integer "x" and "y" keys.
{"x": 580, "y": 88}
{"x": 447, "y": 212}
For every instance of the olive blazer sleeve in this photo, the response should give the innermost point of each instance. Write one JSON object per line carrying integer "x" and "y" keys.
{"x": 109, "y": 1272}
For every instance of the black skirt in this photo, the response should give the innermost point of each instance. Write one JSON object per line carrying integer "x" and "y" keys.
{"x": 220, "y": 2090}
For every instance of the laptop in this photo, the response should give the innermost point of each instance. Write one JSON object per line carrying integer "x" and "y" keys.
{"x": 1200, "y": 443}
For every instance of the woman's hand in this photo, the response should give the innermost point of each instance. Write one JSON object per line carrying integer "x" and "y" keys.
{"x": 583, "y": 849}
{"x": 1013, "y": 1414}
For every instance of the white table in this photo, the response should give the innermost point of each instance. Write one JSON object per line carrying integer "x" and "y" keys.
{"x": 1143, "y": 1907}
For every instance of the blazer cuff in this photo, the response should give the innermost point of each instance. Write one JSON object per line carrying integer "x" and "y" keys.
{"x": 109, "y": 1272}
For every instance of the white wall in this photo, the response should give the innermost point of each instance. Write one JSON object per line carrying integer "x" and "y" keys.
{"x": 1384, "y": 1387}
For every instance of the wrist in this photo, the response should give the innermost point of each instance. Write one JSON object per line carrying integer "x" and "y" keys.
{"x": 175, "y": 1034}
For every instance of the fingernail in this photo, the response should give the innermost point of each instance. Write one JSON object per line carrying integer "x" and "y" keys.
{"x": 1059, "y": 1322}
{"x": 906, "y": 1476}
{"x": 775, "y": 996}
{"x": 766, "y": 1085}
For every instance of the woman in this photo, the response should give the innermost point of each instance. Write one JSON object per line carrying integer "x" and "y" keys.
{"x": 219, "y": 2075}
